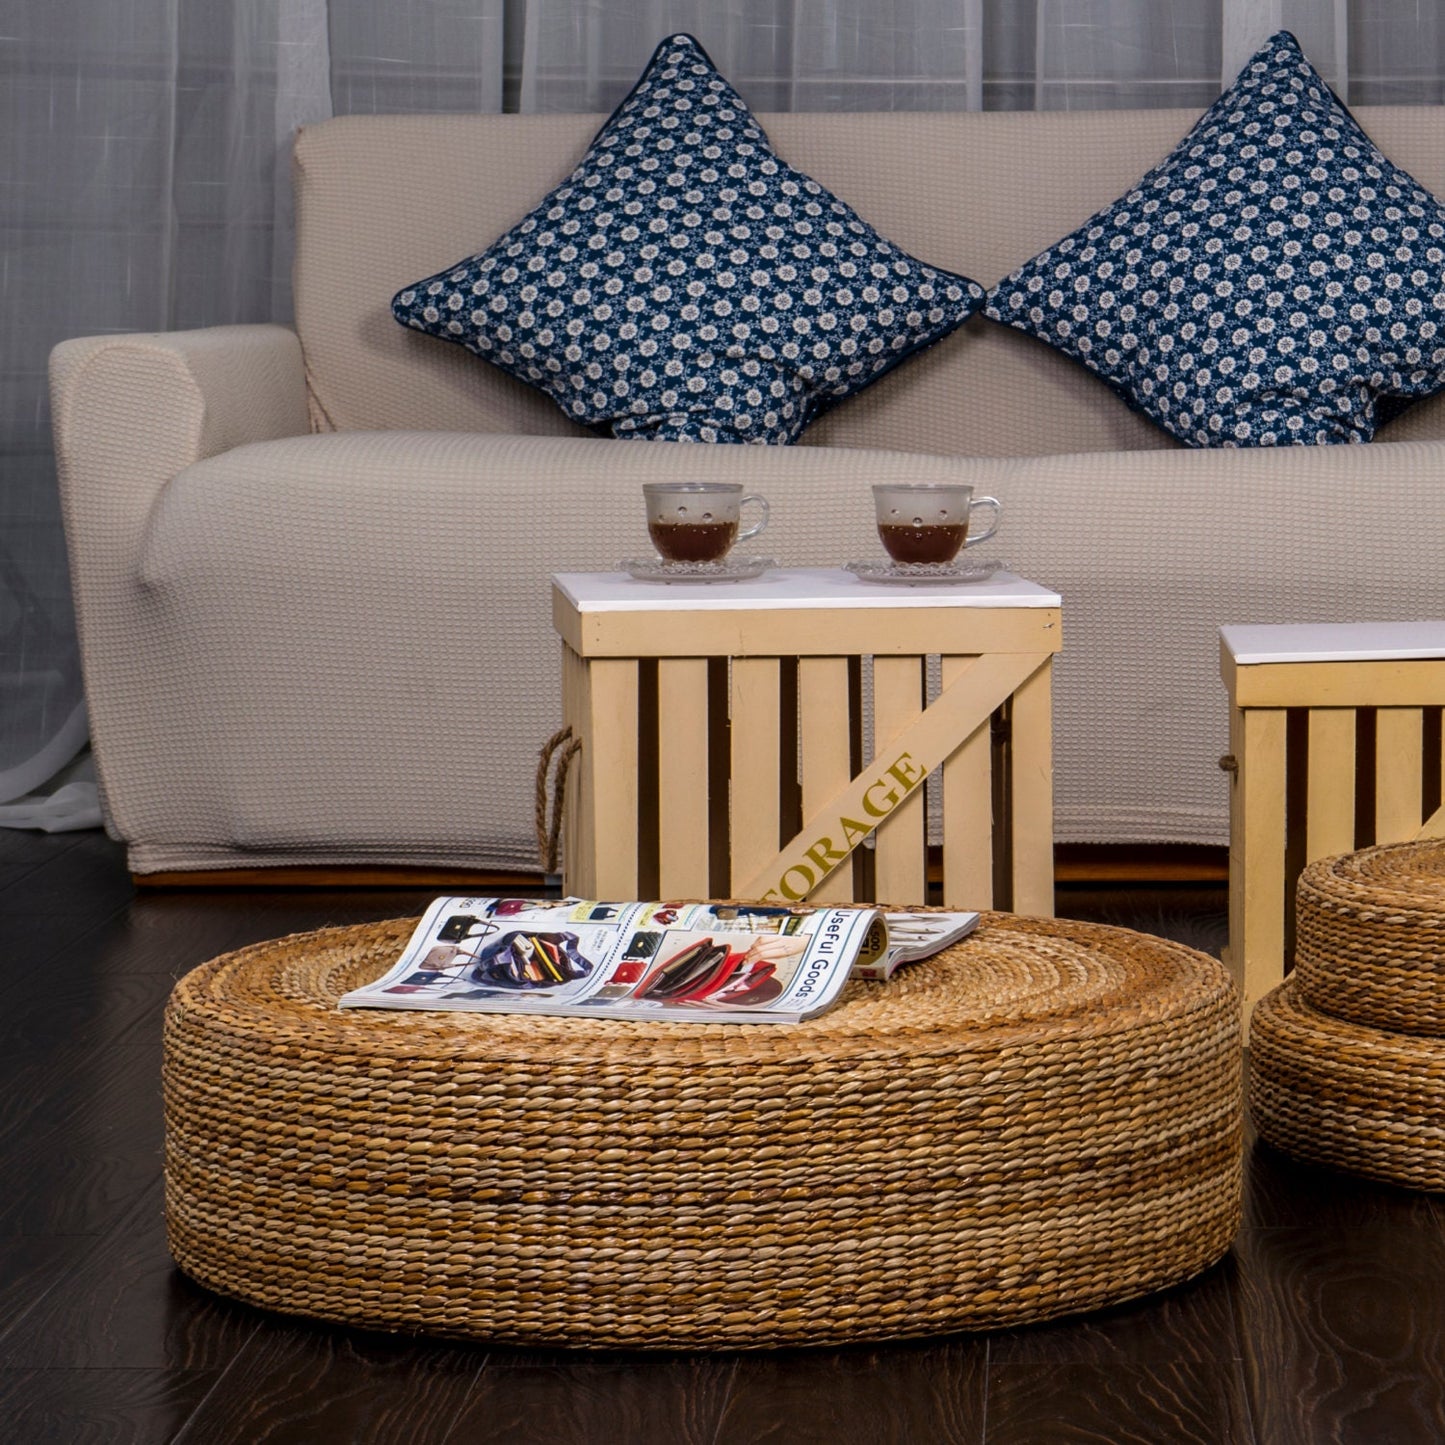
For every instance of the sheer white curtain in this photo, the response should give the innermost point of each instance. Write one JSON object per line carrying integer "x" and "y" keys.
{"x": 146, "y": 184}
{"x": 146, "y": 187}
{"x": 972, "y": 54}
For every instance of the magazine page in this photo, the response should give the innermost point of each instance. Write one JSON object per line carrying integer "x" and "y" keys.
{"x": 703, "y": 962}
{"x": 911, "y": 936}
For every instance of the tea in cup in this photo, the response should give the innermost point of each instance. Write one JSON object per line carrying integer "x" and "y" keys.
{"x": 930, "y": 522}
{"x": 698, "y": 521}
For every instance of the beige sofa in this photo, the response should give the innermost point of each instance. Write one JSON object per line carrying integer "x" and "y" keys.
{"x": 311, "y": 566}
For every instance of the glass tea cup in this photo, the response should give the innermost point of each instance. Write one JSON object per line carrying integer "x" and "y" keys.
{"x": 930, "y": 522}
{"x": 698, "y": 521}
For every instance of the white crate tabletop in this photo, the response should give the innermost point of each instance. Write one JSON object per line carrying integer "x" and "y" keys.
{"x": 800, "y": 587}
{"x": 1333, "y": 641}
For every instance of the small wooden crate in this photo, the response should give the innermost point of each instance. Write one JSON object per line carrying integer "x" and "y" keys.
{"x": 725, "y": 748}
{"x": 1335, "y": 744}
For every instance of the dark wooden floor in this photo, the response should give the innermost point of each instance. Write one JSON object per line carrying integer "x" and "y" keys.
{"x": 1325, "y": 1323}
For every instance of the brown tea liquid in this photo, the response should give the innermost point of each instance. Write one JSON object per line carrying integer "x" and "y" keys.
{"x": 938, "y": 543}
{"x": 692, "y": 541}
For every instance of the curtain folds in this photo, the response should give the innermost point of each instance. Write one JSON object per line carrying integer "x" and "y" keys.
{"x": 147, "y": 180}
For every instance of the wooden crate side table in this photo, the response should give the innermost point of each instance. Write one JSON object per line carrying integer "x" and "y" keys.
{"x": 725, "y": 749}
{"x": 1335, "y": 743}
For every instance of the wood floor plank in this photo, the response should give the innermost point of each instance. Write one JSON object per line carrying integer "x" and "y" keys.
{"x": 1195, "y": 914}
{"x": 1193, "y": 1321}
{"x": 1344, "y": 1333}
{"x": 22, "y": 852}
{"x": 565, "y": 1398}
{"x": 31, "y": 1079}
{"x": 98, "y": 1407}
{"x": 1282, "y": 1192}
{"x": 1188, "y": 1402}
{"x": 123, "y": 1305}
{"x": 79, "y": 1160}
{"x": 170, "y": 933}
{"x": 83, "y": 1016}
{"x": 29, "y": 848}
{"x": 82, "y": 870}
{"x": 296, "y": 1383}
{"x": 887, "y": 1395}
{"x": 110, "y": 984}
{"x": 31, "y": 1267}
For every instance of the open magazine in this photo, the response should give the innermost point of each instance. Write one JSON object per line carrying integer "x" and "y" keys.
{"x": 701, "y": 962}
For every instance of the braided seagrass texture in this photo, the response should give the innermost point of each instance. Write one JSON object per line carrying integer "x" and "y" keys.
{"x": 1370, "y": 936}
{"x": 1363, "y": 1099}
{"x": 1042, "y": 1120}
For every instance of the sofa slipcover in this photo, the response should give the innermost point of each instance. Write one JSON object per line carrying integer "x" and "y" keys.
{"x": 311, "y": 566}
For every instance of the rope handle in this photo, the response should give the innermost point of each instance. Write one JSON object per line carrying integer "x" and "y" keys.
{"x": 565, "y": 747}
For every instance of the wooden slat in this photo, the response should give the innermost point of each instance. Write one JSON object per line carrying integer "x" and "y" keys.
{"x": 1256, "y": 852}
{"x": 967, "y": 814}
{"x": 823, "y": 726}
{"x": 1330, "y": 795}
{"x": 1399, "y": 765}
{"x": 682, "y": 777}
{"x": 608, "y": 820}
{"x": 755, "y": 787}
{"x": 574, "y": 715}
{"x": 1032, "y": 794}
{"x": 900, "y": 852}
{"x": 1434, "y": 825}
{"x": 806, "y": 632}
{"x": 1406, "y": 682}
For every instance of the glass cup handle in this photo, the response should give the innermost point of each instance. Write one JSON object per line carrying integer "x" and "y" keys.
{"x": 992, "y": 526}
{"x": 763, "y": 520}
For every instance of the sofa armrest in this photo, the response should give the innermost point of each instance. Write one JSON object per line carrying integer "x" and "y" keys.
{"x": 131, "y": 411}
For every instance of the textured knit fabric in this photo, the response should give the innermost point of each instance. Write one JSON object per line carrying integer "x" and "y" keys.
{"x": 685, "y": 284}
{"x": 319, "y": 669}
{"x": 1272, "y": 281}
{"x": 131, "y": 412}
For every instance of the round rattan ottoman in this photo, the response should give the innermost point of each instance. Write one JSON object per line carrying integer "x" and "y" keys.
{"x": 1347, "y": 1057}
{"x": 1042, "y": 1120}
{"x": 1366, "y": 1100}
{"x": 1370, "y": 936}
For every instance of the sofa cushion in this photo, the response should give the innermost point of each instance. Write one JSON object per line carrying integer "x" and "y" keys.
{"x": 386, "y": 699}
{"x": 685, "y": 283}
{"x": 1275, "y": 279}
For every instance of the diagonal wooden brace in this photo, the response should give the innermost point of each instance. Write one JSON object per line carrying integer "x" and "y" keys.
{"x": 899, "y": 767}
{"x": 1434, "y": 825}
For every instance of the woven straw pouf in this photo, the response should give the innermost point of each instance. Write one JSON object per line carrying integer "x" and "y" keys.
{"x": 1370, "y": 937}
{"x": 1044, "y": 1119}
{"x": 1367, "y": 1100}
{"x": 1347, "y": 1057}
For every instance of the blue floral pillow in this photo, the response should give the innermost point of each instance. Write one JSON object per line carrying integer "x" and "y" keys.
{"x": 1273, "y": 280}
{"x": 686, "y": 283}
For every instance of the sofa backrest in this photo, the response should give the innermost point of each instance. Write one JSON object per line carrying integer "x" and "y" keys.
{"x": 383, "y": 200}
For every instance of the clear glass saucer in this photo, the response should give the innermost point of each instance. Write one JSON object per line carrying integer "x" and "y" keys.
{"x": 920, "y": 574}
{"x": 730, "y": 569}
